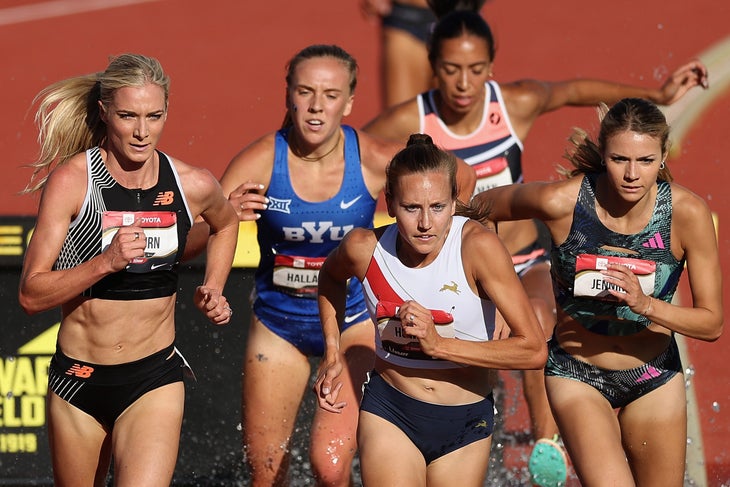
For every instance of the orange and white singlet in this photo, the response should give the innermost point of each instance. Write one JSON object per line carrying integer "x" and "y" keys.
{"x": 493, "y": 149}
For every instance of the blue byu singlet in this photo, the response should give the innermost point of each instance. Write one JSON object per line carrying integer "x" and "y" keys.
{"x": 295, "y": 236}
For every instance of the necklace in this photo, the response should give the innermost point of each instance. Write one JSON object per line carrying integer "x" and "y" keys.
{"x": 295, "y": 149}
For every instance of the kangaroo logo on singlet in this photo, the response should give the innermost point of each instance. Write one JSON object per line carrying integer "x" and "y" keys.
{"x": 453, "y": 287}
{"x": 80, "y": 371}
{"x": 164, "y": 198}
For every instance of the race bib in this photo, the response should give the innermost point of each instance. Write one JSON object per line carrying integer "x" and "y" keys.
{"x": 297, "y": 276}
{"x": 491, "y": 174}
{"x": 395, "y": 340}
{"x": 590, "y": 282}
{"x": 160, "y": 230}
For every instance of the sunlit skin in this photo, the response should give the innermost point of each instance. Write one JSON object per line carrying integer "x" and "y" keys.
{"x": 461, "y": 66}
{"x": 135, "y": 119}
{"x": 423, "y": 206}
{"x": 461, "y": 72}
{"x": 632, "y": 165}
{"x": 318, "y": 100}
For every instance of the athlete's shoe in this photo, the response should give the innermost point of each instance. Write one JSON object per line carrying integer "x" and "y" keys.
{"x": 548, "y": 464}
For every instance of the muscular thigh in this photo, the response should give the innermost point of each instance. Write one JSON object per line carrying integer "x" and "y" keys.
{"x": 405, "y": 75}
{"x": 590, "y": 430}
{"x": 146, "y": 437}
{"x": 654, "y": 431}
{"x": 275, "y": 375}
{"x": 80, "y": 447}
{"x": 387, "y": 456}
{"x": 338, "y": 431}
{"x": 465, "y": 467}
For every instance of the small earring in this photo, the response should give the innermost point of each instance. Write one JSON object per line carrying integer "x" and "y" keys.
{"x": 603, "y": 162}
{"x": 662, "y": 166}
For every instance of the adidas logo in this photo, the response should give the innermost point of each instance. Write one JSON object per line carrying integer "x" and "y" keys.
{"x": 651, "y": 373}
{"x": 654, "y": 242}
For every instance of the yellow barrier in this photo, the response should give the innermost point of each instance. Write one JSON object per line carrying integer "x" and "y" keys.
{"x": 247, "y": 250}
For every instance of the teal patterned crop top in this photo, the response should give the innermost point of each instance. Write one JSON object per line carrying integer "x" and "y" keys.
{"x": 589, "y": 236}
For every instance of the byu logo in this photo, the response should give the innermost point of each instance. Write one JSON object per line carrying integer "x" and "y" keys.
{"x": 315, "y": 232}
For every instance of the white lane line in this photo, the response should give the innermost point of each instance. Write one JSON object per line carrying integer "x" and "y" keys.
{"x": 58, "y": 8}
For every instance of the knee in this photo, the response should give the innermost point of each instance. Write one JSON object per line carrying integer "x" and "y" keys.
{"x": 330, "y": 468}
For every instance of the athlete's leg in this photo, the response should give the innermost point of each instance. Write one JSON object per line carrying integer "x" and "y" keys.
{"x": 654, "y": 430}
{"x": 80, "y": 448}
{"x": 465, "y": 467}
{"x": 591, "y": 433}
{"x": 146, "y": 438}
{"x": 388, "y": 458}
{"x": 334, "y": 436}
{"x": 406, "y": 71}
{"x": 275, "y": 375}
{"x": 538, "y": 286}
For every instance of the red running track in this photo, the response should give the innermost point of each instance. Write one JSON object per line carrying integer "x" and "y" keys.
{"x": 227, "y": 58}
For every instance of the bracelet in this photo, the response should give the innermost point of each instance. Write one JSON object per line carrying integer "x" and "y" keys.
{"x": 648, "y": 308}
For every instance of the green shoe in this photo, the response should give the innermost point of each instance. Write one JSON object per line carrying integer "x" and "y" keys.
{"x": 548, "y": 464}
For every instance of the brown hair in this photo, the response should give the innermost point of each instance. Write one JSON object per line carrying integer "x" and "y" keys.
{"x": 313, "y": 52}
{"x": 630, "y": 114}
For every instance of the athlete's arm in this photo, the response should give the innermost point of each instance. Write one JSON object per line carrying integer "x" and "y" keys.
{"x": 528, "y": 99}
{"x": 396, "y": 123}
{"x": 42, "y": 288}
{"x": 348, "y": 260}
{"x": 489, "y": 268}
{"x": 694, "y": 232}
{"x": 244, "y": 183}
{"x": 206, "y": 199}
{"x": 546, "y": 201}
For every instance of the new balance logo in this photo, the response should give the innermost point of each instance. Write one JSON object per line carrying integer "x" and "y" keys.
{"x": 654, "y": 242}
{"x": 81, "y": 371}
{"x": 453, "y": 287}
{"x": 164, "y": 198}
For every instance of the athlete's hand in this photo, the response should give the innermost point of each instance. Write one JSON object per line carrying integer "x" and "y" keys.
{"x": 621, "y": 276}
{"x": 682, "y": 80}
{"x": 213, "y": 305}
{"x": 418, "y": 322}
{"x": 327, "y": 387}
{"x": 247, "y": 200}
{"x": 127, "y": 244}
